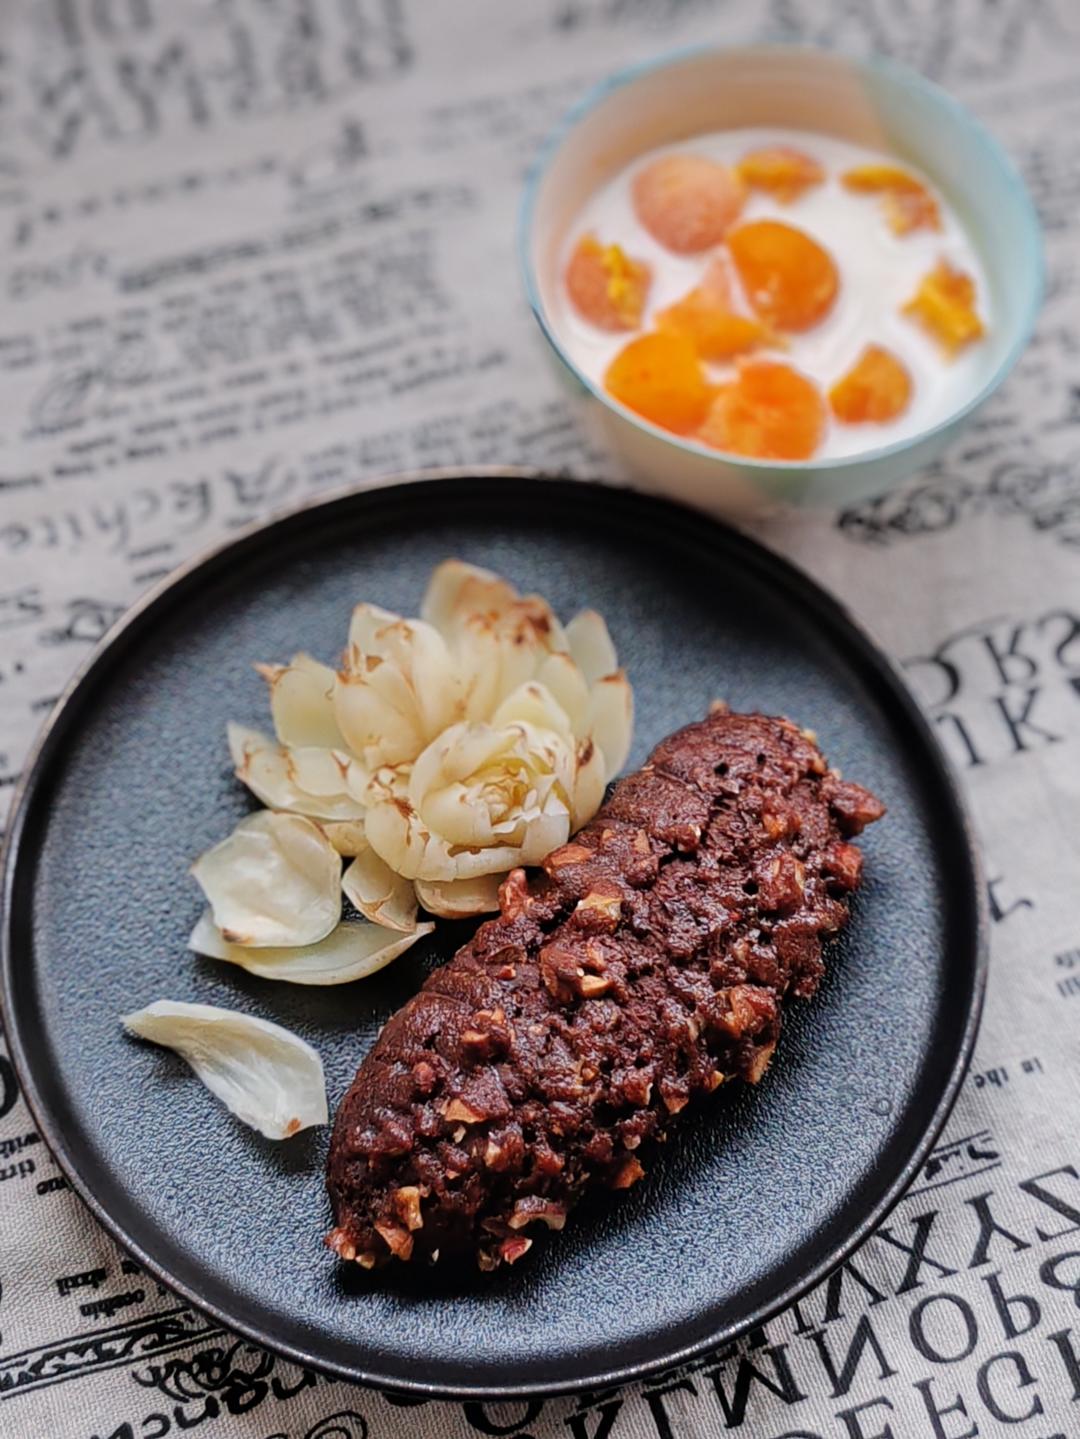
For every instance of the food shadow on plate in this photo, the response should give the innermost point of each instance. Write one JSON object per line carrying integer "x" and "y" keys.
{"x": 303, "y": 1153}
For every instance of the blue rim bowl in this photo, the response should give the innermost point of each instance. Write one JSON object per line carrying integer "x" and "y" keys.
{"x": 875, "y": 102}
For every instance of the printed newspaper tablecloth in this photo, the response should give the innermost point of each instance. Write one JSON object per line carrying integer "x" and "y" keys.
{"x": 257, "y": 249}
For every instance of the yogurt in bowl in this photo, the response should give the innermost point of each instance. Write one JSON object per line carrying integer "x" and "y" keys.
{"x": 926, "y": 229}
{"x": 878, "y": 271}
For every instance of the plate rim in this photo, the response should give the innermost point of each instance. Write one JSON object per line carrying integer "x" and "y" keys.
{"x": 34, "y": 772}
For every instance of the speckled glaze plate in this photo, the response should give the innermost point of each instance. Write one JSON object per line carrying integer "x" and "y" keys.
{"x": 761, "y": 1193}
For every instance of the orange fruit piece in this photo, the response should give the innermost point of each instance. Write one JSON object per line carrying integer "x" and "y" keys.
{"x": 909, "y": 205}
{"x": 877, "y": 387}
{"x": 944, "y": 305}
{"x": 789, "y": 279}
{"x": 607, "y": 287}
{"x": 770, "y": 411}
{"x": 783, "y": 172}
{"x": 704, "y": 315}
{"x": 659, "y": 377}
{"x": 687, "y": 202}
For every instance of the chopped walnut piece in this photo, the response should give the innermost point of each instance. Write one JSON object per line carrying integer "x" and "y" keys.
{"x": 760, "y": 1062}
{"x": 536, "y": 1207}
{"x": 547, "y": 1161}
{"x": 592, "y": 986}
{"x": 398, "y": 1240}
{"x": 514, "y": 897}
{"x": 458, "y": 1109}
{"x": 629, "y": 1173}
{"x": 513, "y": 1249}
{"x": 560, "y": 969}
{"x": 394, "y": 1138}
{"x": 601, "y": 909}
{"x": 636, "y": 1088}
{"x": 339, "y": 1242}
{"x": 853, "y": 806}
{"x": 843, "y": 864}
{"x": 487, "y": 1036}
{"x": 749, "y": 1008}
{"x": 782, "y": 883}
{"x": 407, "y": 1203}
{"x": 566, "y": 854}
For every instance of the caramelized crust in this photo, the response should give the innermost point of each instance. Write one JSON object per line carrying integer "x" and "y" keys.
{"x": 644, "y": 966}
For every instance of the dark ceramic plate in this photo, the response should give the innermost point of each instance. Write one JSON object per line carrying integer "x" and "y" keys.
{"x": 760, "y": 1194}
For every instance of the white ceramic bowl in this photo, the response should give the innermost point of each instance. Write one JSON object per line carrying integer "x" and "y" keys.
{"x": 875, "y": 103}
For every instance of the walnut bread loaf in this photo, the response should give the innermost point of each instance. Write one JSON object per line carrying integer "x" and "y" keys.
{"x": 643, "y": 966}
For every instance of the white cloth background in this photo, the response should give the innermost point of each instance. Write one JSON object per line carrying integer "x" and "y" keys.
{"x": 255, "y": 250}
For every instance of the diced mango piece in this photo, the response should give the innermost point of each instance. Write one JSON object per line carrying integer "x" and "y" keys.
{"x": 660, "y": 377}
{"x": 876, "y": 388}
{"x": 606, "y": 286}
{"x": 789, "y": 279}
{"x": 706, "y": 317}
{"x": 909, "y": 205}
{"x": 770, "y": 411}
{"x": 944, "y": 305}
{"x": 687, "y": 202}
{"x": 781, "y": 171}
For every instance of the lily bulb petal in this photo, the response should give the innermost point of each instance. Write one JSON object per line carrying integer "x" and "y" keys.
{"x": 611, "y": 720}
{"x": 276, "y": 881}
{"x": 311, "y": 782}
{"x": 302, "y": 703}
{"x": 262, "y": 1073}
{"x": 346, "y": 835}
{"x": 398, "y": 690}
{"x": 382, "y": 896}
{"x": 460, "y": 898}
{"x": 535, "y": 704}
{"x": 591, "y": 646}
{"x": 354, "y": 950}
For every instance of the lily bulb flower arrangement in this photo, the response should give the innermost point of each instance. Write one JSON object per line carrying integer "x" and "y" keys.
{"x": 446, "y": 751}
